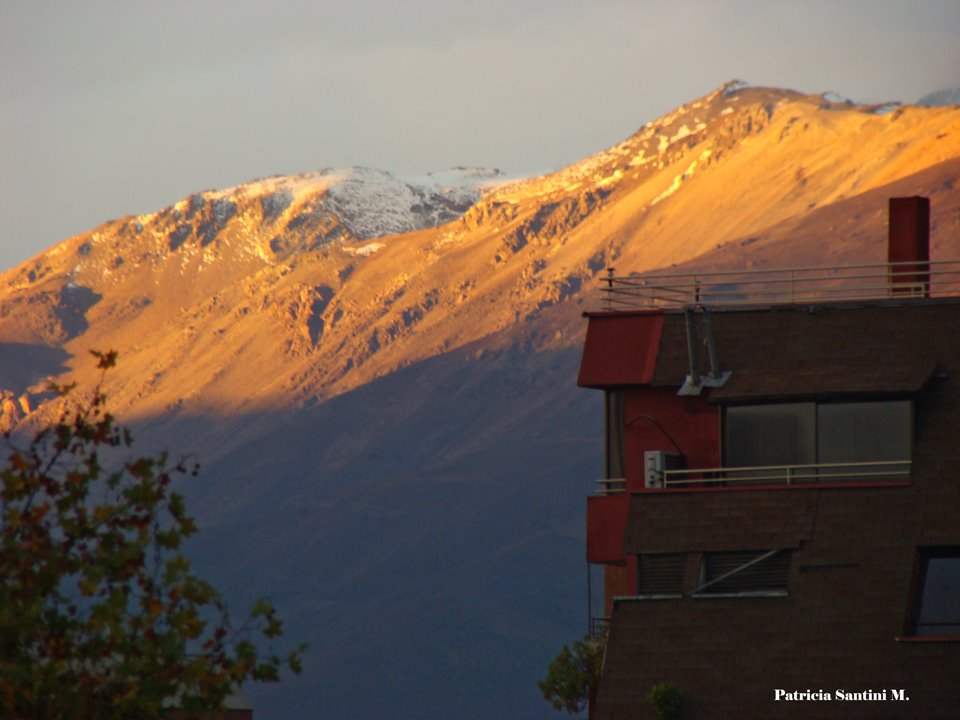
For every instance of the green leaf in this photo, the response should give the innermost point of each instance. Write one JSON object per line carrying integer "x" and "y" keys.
{"x": 69, "y": 524}
{"x": 574, "y": 675}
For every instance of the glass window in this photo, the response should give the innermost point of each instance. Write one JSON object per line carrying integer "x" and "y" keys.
{"x": 818, "y": 433}
{"x": 873, "y": 431}
{"x": 781, "y": 434}
{"x": 937, "y": 603}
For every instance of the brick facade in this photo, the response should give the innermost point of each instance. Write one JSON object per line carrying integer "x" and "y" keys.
{"x": 844, "y": 620}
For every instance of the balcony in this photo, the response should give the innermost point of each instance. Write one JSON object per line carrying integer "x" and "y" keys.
{"x": 819, "y": 473}
{"x": 782, "y": 286}
{"x": 611, "y": 486}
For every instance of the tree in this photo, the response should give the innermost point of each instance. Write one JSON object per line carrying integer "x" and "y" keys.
{"x": 574, "y": 675}
{"x": 100, "y": 613}
{"x": 665, "y": 698}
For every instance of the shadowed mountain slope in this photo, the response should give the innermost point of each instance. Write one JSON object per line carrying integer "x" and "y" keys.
{"x": 392, "y": 442}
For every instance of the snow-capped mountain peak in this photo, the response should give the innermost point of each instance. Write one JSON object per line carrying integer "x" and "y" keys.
{"x": 941, "y": 98}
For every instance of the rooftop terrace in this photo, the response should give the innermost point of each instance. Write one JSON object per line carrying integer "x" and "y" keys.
{"x": 781, "y": 286}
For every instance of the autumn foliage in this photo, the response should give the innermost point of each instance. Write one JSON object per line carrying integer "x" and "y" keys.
{"x": 100, "y": 613}
{"x": 574, "y": 675}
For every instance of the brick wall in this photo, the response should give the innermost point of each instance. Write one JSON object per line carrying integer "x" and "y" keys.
{"x": 854, "y": 550}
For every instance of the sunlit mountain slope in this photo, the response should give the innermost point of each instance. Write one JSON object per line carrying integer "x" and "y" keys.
{"x": 378, "y": 374}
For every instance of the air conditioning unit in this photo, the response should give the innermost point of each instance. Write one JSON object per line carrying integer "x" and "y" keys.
{"x": 655, "y": 462}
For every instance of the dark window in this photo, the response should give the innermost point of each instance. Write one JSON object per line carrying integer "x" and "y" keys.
{"x": 781, "y": 434}
{"x": 745, "y": 572}
{"x": 818, "y": 433}
{"x": 661, "y": 575}
{"x": 937, "y": 599}
{"x": 874, "y": 431}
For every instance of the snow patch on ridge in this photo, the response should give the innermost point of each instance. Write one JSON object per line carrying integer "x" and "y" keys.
{"x": 603, "y": 182}
{"x": 832, "y": 97}
{"x": 365, "y": 250}
{"x": 886, "y": 108}
{"x": 374, "y": 203}
{"x": 733, "y": 87}
{"x": 941, "y": 98}
{"x": 685, "y": 131}
{"x": 679, "y": 179}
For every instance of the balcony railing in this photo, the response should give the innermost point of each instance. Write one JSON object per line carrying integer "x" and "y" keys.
{"x": 789, "y": 474}
{"x": 599, "y": 626}
{"x": 611, "y": 486}
{"x": 782, "y": 286}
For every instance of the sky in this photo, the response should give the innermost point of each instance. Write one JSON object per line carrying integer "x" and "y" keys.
{"x": 117, "y": 107}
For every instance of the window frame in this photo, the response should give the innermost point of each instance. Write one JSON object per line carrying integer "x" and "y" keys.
{"x": 919, "y": 591}
{"x": 817, "y": 404}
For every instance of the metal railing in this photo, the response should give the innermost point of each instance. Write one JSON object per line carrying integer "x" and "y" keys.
{"x": 611, "y": 486}
{"x": 789, "y": 474}
{"x": 599, "y": 625}
{"x": 782, "y": 286}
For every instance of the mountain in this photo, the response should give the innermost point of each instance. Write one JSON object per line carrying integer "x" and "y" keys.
{"x": 941, "y": 98}
{"x": 377, "y": 374}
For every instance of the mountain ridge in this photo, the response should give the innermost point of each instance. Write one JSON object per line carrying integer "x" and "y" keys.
{"x": 521, "y": 240}
{"x": 393, "y": 443}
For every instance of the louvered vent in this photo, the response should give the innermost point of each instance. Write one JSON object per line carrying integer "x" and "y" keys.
{"x": 661, "y": 574}
{"x": 744, "y": 572}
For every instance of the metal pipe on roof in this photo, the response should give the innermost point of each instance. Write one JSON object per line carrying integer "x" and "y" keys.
{"x": 711, "y": 344}
{"x": 692, "y": 354}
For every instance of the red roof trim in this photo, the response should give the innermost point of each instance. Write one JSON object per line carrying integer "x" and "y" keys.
{"x": 620, "y": 349}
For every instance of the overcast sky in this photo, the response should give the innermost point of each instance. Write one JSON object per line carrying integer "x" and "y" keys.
{"x": 109, "y": 108}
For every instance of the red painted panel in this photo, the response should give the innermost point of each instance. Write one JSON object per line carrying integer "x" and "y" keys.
{"x": 658, "y": 419}
{"x": 606, "y": 526}
{"x": 620, "y": 349}
{"x": 909, "y": 242}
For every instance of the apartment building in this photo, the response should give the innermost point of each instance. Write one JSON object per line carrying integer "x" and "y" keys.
{"x": 779, "y": 521}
